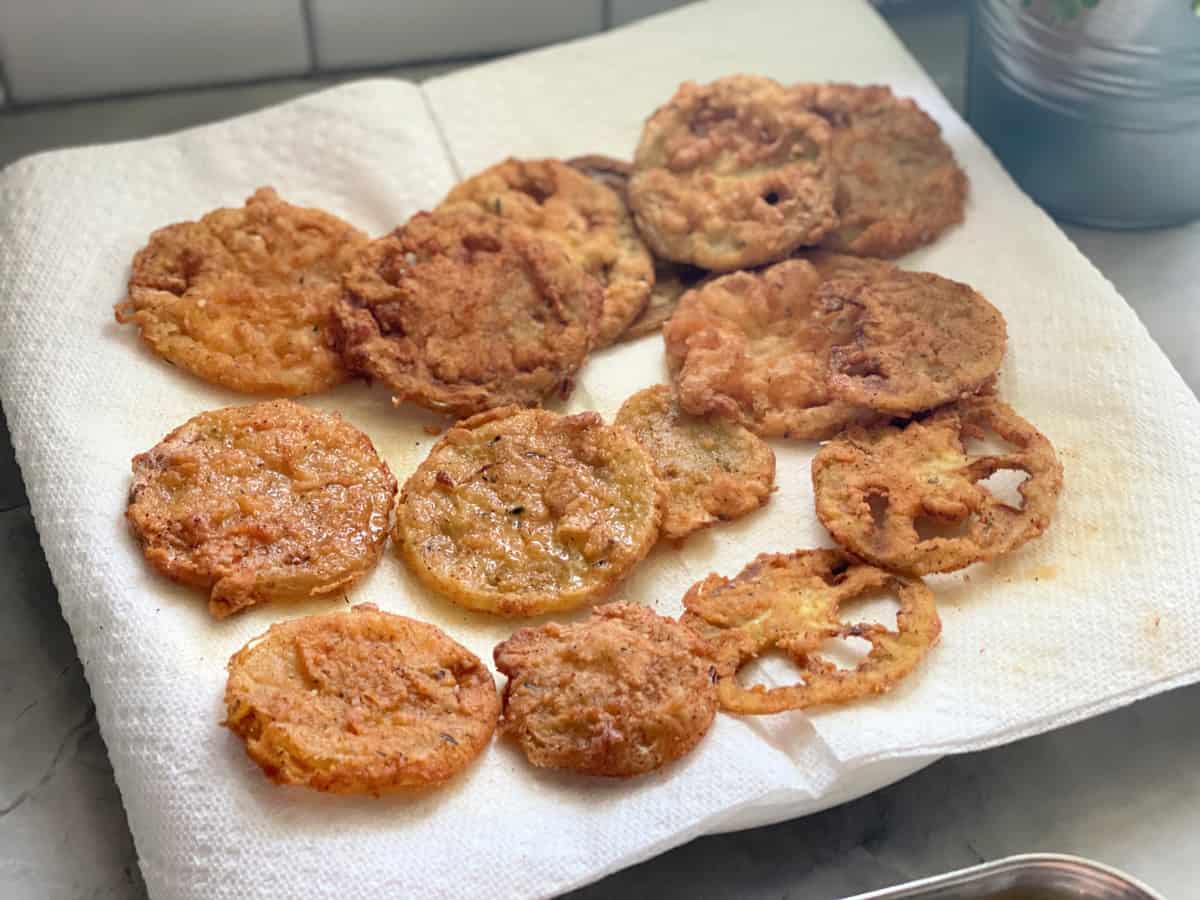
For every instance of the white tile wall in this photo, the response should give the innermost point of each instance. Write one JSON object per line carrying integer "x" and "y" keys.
{"x": 63, "y": 49}
{"x": 54, "y": 49}
{"x": 359, "y": 33}
{"x": 625, "y": 11}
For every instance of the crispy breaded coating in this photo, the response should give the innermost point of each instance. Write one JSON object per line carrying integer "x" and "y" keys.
{"x": 800, "y": 351}
{"x": 462, "y": 313}
{"x": 712, "y": 469}
{"x": 755, "y": 347}
{"x": 898, "y": 185}
{"x": 791, "y": 602}
{"x": 621, "y": 693}
{"x": 242, "y": 297}
{"x": 587, "y": 218}
{"x": 523, "y": 512}
{"x": 874, "y": 487}
{"x": 271, "y": 501}
{"x": 360, "y": 702}
{"x": 733, "y": 174}
{"x": 921, "y": 341}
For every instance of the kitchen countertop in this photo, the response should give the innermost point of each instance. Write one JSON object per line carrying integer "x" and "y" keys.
{"x": 1122, "y": 788}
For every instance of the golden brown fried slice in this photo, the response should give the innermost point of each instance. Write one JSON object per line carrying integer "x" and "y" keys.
{"x": 790, "y": 602}
{"x": 733, "y": 174}
{"x": 755, "y": 347}
{"x": 805, "y": 348}
{"x": 270, "y": 501}
{"x": 922, "y": 340}
{"x": 898, "y": 186}
{"x": 619, "y": 694}
{"x": 671, "y": 280}
{"x": 877, "y": 489}
{"x": 242, "y": 297}
{"x": 712, "y": 470}
{"x": 588, "y": 219}
{"x": 363, "y": 702}
{"x": 522, "y": 512}
{"x": 462, "y": 313}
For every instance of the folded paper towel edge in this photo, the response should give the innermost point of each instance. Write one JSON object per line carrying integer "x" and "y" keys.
{"x": 16, "y": 167}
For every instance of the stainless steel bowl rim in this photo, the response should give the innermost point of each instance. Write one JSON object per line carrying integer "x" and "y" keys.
{"x": 1021, "y": 862}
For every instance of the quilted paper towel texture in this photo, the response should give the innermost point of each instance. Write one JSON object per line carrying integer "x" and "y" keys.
{"x": 1076, "y": 623}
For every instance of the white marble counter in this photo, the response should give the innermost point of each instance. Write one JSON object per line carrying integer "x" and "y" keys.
{"x": 1122, "y": 788}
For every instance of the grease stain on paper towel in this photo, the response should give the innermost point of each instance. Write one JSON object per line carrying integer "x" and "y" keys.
{"x": 1044, "y": 572}
{"x": 1157, "y": 652}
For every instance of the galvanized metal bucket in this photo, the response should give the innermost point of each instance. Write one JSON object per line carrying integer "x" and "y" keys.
{"x": 1092, "y": 105}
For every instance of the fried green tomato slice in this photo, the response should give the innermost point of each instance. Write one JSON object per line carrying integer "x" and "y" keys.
{"x": 271, "y": 501}
{"x": 791, "y": 602}
{"x": 755, "y": 347}
{"x": 360, "y": 702}
{"x": 712, "y": 470}
{"x": 809, "y": 346}
{"x": 583, "y": 215}
{"x": 888, "y": 494}
{"x": 673, "y": 280}
{"x": 242, "y": 298}
{"x": 922, "y": 340}
{"x": 460, "y": 313}
{"x": 619, "y": 694}
{"x": 733, "y": 174}
{"x": 523, "y": 512}
{"x": 898, "y": 185}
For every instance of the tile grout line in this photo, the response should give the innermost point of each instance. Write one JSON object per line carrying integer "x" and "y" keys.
{"x": 310, "y": 35}
{"x": 5, "y": 89}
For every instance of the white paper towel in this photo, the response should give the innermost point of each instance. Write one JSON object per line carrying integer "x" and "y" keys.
{"x": 1097, "y": 613}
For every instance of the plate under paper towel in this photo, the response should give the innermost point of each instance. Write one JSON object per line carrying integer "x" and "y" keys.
{"x": 1095, "y": 614}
